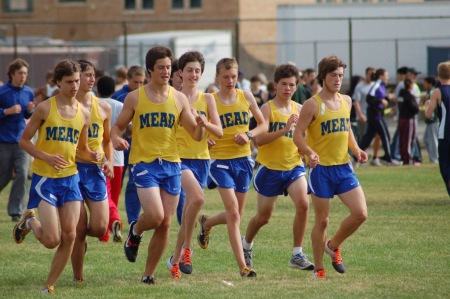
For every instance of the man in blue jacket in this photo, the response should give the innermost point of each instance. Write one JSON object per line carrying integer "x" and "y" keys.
{"x": 16, "y": 105}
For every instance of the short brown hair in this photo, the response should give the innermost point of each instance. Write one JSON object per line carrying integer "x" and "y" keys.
{"x": 66, "y": 67}
{"x": 135, "y": 70}
{"x": 15, "y": 65}
{"x": 286, "y": 71}
{"x": 154, "y": 54}
{"x": 226, "y": 63}
{"x": 444, "y": 70}
{"x": 191, "y": 56}
{"x": 327, "y": 65}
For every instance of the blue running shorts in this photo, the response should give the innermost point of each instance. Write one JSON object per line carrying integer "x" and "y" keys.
{"x": 233, "y": 173}
{"x": 92, "y": 181}
{"x": 327, "y": 181}
{"x": 159, "y": 173}
{"x": 55, "y": 191}
{"x": 271, "y": 183}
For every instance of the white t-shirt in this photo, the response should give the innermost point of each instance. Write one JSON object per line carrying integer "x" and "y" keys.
{"x": 116, "y": 107}
{"x": 360, "y": 94}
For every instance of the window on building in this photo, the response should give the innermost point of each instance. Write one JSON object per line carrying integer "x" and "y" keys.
{"x": 147, "y": 4}
{"x": 11, "y": 6}
{"x": 130, "y": 4}
{"x": 177, "y": 4}
{"x": 196, "y": 3}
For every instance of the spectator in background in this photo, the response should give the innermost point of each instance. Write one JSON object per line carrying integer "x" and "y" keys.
{"x": 99, "y": 73}
{"x": 407, "y": 110}
{"x": 354, "y": 82}
{"x": 271, "y": 90}
{"x": 263, "y": 80}
{"x": 175, "y": 78}
{"x": 212, "y": 88}
{"x": 360, "y": 103}
{"x": 16, "y": 105}
{"x": 378, "y": 100}
{"x": 106, "y": 87}
{"x": 121, "y": 77}
{"x": 359, "y": 95}
{"x": 242, "y": 82}
{"x": 411, "y": 73}
{"x": 299, "y": 95}
{"x": 46, "y": 91}
{"x": 310, "y": 75}
{"x": 260, "y": 97}
{"x": 136, "y": 78}
{"x": 430, "y": 138}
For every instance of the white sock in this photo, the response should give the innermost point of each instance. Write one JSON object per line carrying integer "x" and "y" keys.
{"x": 27, "y": 225}
{"x": 134, "y": 232}
{"x": 245, "y": 245}
{"x": 297, "y": 250}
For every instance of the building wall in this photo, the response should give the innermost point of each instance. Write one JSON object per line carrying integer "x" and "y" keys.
{"x": 100, "y": 20}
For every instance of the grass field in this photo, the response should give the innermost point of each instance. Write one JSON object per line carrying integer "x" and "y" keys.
{"x": 402, "y": 251}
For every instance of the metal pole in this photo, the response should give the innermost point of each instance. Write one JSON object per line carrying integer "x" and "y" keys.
{"x": 396, "y": 54}
{"x": 350, "y": 49}
{"x": 316, "y": 62}
{"x": 236, "y": 40}
{"x": 15, "y": 41}
{"x": 125, "y": 44}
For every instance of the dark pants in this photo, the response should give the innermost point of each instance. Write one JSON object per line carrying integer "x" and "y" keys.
{"x": 12, "y": 157}
{"x": 406, "y": 137}
{"x": 444, "y": 161}
{"x": 377, "y": 127}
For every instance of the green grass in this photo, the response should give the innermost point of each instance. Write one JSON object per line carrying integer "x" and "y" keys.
{"x": 402, "y": 251}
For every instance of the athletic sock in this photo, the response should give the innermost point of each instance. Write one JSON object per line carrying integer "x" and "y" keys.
{"x": 246, "y": 245}
{"x": 297, "y": 250}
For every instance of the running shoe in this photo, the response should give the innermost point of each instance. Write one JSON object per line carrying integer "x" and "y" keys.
{"x": 131, "y": 246}
{"x": 186, "y": 261}
{"x": 246, "y": 272}
{"x": 117, "y": 231}
{"x": 319, "y": 274}
{"x": 148, "y": 280}
{"x": 20, "y": 229}
{"x": 300, "y": 261}
{"x": 48, "y": 290}
{"x": 203, "y": 236}
{"x": 336, "y": 259}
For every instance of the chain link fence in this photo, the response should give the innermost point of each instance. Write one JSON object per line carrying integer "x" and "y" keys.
{"x": 258, "y": 44}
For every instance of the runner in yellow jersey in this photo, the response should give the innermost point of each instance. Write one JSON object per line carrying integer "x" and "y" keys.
{"x": 281, "y": 169}
{"x": 155, "y": 109}
{"x": 194, "y": 160}
{"x": 232, "y": 166}
{"x": 62, "y": 125}
{"x": 92, "y": 173}
{"x": 325, "y": 119}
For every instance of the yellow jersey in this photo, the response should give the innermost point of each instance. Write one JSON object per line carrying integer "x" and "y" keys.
{"x": 153, "y": 129}
{"x": 280, "y": 154}
{"x": 189, "y": 148}
{"x": 234, "y": 119}
{"x": 58, "y": 135}
{"x": 96, "y": 130}
{"x": 327, "y": 135}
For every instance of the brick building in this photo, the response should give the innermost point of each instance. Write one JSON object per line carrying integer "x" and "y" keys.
{"x": 253, "y": 22}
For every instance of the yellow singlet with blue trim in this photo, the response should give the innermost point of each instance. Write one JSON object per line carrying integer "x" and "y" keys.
{"x": 96, "y": 130}
{"x": 327, "y": 135}
{"x": 153, "y": 129}
{"x": 281, "y": 154}
{"x": 189, "y": 148}
{"x": 234, "y": 119}
{"x": 58, "y": 135}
